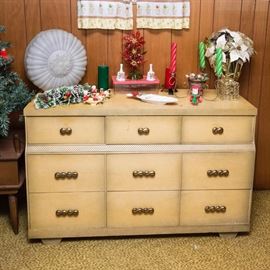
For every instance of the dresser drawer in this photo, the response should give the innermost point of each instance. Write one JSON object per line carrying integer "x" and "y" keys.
{"x": 143, "y": 129}
{"x": 90, "y": 209}
{"x": 217, "y": 129}
{"x": 57, "y": 130}
{"x": 140, "y": 209}
{"x": 62, "y": 173}
{"x": 218, "y": 170}
{"x": 227, "y": 207}
{"x": 143, "y": 172}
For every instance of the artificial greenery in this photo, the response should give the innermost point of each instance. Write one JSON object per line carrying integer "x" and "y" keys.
{"x": 14, "y": 94}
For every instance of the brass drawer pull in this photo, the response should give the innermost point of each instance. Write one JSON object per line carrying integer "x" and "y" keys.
{"x": 66, "y": 175}
{"x": 215, "y": 209}
{"x": 145, "y": 211}
{"x": 144, "y": 173}
{"x": 223, "y": 173}
{"x": 218, "y": 130}
{"x": 60, "y": 175}
{"x": 143, "y": 131}
{"x": 69, "y": 213}
{"x": 65, "y": 131}
{"x": 220, "y": 173}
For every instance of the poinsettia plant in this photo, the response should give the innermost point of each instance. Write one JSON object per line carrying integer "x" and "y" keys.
{"x": 236, "y": 49}
{"x": 133, "y": 54}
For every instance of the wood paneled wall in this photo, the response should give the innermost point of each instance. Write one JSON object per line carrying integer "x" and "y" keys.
{"x": 25, "y": 18}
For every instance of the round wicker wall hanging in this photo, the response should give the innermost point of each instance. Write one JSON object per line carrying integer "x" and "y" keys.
{"x": 55, "y": 58}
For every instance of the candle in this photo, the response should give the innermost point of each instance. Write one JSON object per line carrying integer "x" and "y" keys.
{"x": 173, "y": 57}
{"x": 103, "y": 77}
{"x": 219, "y": 62}
{"x": 202, "y": 55}
{"x": 167, "y": 78}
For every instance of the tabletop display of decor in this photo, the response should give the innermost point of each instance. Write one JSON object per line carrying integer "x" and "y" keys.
{"x": 133, "y": 54}
{"x": 227, "y": 51}
{"x": 65, "y": 95}
{"x": 14, "y": 94}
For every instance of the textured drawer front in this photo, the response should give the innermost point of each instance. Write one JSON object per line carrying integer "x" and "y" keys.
{"x": 143, "y": 129}
{"x": 201, "y": 129}
{"x": 43, "y": 207}
{"x": 143, "y": 172}
{"x": 193, "y": 203}
{"x": 48, "y": 130}
{"x": 42, "y": 170}
{"x": 121, "y": 204}
{"x": 218, "y": 170}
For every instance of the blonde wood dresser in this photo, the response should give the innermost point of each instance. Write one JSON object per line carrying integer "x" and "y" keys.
{"x": 133, "y": 168}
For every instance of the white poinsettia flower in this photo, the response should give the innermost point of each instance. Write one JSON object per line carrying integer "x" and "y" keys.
{"x": 236, "y": 37}
{"x": 221, "y": 42}
{"x": 236, "y": 47}
{"x": 234, "y": 55}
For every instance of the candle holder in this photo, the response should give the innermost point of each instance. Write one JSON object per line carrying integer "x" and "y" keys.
{"x": 198, "y": 81}
{"x": 170, "y": 81}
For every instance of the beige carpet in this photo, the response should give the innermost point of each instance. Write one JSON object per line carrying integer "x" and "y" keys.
{"x": 207, "y": 251}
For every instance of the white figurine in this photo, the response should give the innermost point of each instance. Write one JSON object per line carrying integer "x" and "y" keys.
{"x": 150, "y": 74}
{"x": 120, "y": 74}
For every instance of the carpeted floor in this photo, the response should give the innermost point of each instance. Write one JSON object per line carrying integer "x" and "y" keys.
{"x": 185, "y": 252}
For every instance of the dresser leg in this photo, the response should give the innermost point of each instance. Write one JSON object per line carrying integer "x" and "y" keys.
{"x": 228, "y": 235}
{"x": 52, "y": 241}
{"x": 13, "y": 212}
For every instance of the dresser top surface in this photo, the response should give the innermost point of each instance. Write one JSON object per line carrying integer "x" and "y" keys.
{"x": 120, "y": 104}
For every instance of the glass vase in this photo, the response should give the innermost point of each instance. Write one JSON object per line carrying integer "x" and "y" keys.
{"x": 227, "y": 88}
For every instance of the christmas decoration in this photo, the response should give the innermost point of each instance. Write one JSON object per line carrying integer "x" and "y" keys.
{"x": 65, "y": 95}
{"x": 14, "y": 94}
{"x": 235, "y": 48}
{"x": 227, "y": 51}
{"x": 121, "y": 74}
{"x": 202, "y": 55}
{"x": 150, "y": 74}
{"x": 133, "y": 54}
{"x": 197, "y": 84}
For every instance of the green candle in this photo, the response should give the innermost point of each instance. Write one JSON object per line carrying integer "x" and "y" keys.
{"x": 202, "y": 55}
{"x": 103, "y": 77}
{"x": 219, "y": 62}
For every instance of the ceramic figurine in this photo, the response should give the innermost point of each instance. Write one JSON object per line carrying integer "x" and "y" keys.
{"x": 150, "y": 74}
{"x": 195, "y": 96}
{"x": 120, "y": 74}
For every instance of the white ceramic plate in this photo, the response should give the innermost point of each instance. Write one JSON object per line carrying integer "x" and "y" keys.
{"x": 155, "y": 99}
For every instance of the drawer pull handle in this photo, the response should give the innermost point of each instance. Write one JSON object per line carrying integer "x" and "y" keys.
{"x": 215, "y": 209}
{"x": 69, "y": 213}
{"x": 143, "y": 131}
{"x": 144, "y": 173}
{"x": 218, "y": 130}
{"x": 220, "y": 173}
{"x": 65, "y": 131}
{"x": 66, "y": 175}
{"x": 145, "y": 211}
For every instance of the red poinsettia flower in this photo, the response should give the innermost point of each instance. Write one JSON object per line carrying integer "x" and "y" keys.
{"x": 133, "y": 53}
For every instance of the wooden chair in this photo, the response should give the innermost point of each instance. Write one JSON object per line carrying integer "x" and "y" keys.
{"x": 12, "y": 174}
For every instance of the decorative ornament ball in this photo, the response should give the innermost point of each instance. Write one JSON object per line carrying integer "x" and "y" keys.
{"x": 55, "y": 58}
